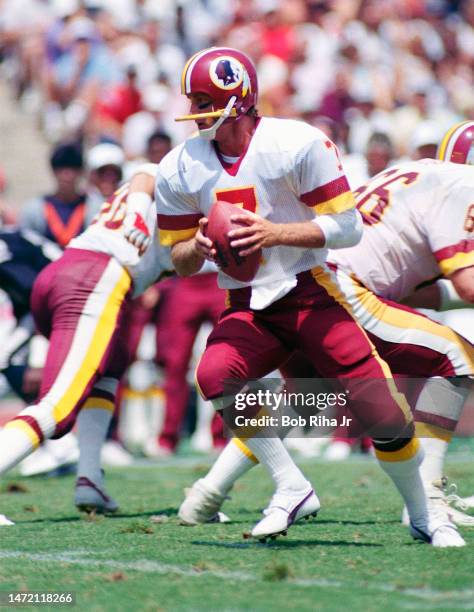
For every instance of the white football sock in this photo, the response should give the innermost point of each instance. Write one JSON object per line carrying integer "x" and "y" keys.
{"x": 273, "y": 455}
{"x": 156, "y": 402}
{"x": 231, "y": 464}
{"x": 406, "y": 477}
{"x": 93, "y": 424}
{"x": 435, "y": 451}
{"x": 15, "y": 445}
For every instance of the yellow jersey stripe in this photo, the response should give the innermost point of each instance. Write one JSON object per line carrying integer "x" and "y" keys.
{"x": 339, "y": 204}
{"x": 171, "y": 237}
{"x": 456, "y": 262}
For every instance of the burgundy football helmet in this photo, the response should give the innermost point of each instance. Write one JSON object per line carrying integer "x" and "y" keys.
{"x": 228, "y": 76}
{"x": 457, "y": 145}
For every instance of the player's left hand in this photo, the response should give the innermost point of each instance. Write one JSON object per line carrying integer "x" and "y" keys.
{"x": 259, "y": 233}
{"x": 136, "y": 231}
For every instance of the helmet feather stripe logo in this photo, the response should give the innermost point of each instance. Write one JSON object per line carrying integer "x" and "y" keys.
{"x": 450, "y": 139}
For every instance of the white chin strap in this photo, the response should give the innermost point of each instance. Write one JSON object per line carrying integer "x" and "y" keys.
{"x": 210, "y": 132}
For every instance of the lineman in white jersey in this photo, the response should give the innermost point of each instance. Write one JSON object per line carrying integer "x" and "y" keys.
{"x": 78, "y": 301}
{"x": 289, "y": 176}
{"x": 418, "y": 225}
{"x": 417, "y": 219}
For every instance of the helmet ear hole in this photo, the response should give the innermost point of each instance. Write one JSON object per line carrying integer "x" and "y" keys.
{"x": 457, "y": 145}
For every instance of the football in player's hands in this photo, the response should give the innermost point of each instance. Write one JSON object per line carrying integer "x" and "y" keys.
{"x": 227, "y": 258}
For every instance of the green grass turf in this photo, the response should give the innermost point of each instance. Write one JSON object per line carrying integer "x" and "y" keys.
{"x": 356, "y": 555}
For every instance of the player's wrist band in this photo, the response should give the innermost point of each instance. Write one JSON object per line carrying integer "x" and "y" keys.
{"x": 139, "y": 202}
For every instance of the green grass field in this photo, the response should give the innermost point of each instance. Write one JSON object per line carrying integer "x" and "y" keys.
{"x": 356, "y": 554}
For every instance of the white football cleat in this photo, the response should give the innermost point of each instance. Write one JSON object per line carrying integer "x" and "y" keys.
{"x": 89, "y": 497}
{"x": 41, "y": 461}
{"x": 202, "y": 505}
{"x": 4, "y": 522}
{"x": 444, "y": 535}
{"x": 283, "y": 510}
{"x": 50, "y": 456}
{"x": 438, "y": 530}
{"x": 444, "y": 497}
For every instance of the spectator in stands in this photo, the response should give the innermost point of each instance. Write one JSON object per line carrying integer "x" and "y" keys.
{"x": 118, "y": 102}
{"x": 8, "y": 214}
{"x": 104, "y": 165}
{"x": 158, "y": 145}
{"x": 78, "y": 77}
{"x": 140, "y": 126}
{"x": 63, "y": 214}
{"x": 425, "y": 140}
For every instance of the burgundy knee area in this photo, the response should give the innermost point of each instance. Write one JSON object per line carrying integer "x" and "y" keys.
{"x": 210, "y": 376}
{"x": 372, "y": 403}
{"x": 217, "y": 370}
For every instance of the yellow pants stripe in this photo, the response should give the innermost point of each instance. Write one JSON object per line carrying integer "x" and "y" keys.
{"x": 404, "y": 319}
{"x": 244, "y": 449}
{"x": 103, "y": 332}
{"x": 323, "y": 278}
{"x": 426, "y": 430}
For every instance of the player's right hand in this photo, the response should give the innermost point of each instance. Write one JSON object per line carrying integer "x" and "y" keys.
{"x": 136, "y": 231}
{"x": 202, "y": 243}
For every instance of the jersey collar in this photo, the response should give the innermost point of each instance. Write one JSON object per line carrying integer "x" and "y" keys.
{"x": 233, "y": 168}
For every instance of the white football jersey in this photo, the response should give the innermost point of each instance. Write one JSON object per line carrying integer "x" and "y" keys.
{"x": 105, "y": 235}
{"x": 418, "y": 225}
{"x": 290, "y": 173}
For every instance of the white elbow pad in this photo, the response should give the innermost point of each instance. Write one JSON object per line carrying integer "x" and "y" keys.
{"x": 449, "y": 297}
{"x": 342, "y": 230}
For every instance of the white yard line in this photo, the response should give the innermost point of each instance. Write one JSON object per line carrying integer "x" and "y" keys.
{"x": 463, "y": 599}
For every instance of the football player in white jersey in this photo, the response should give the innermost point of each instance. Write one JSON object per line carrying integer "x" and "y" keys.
{"x": 77, "y": 302}
{"x": 418, "y": 226}
{"x": 290, "y": 174}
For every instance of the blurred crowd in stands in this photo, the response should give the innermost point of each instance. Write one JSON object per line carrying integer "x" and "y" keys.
{"x": 109, "y": 70}
{"x": 384, "y": 78}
